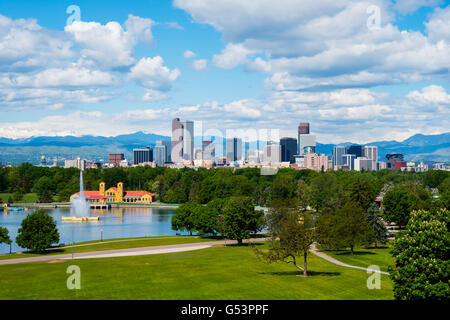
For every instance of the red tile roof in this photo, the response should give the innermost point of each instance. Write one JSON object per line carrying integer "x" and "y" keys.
{"x": 137, "y": 193}
{"x": 92, "y": 195}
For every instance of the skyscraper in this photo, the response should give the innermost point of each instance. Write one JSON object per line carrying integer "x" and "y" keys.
{"x": 338, "y": 151}
{"x": 177, "y": 141}
{"x": 306, "y": 141}
{"x": 188, "y": 140}
{"x": 371, "y": 153}
{"x": 142, "y": 155}
{"x": 160, "y": 153}
{"x": 348, "y": 160}
{"x": 272, "y": 153}
{"x": 208, "y": 149}
{"x": 288, "y": 149}
{"x": 234, "y": 149}
{"x": 356, "y": 150}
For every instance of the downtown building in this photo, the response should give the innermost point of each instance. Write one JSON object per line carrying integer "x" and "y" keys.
{"x": 233, "y": 150}
{"x": 306, "y": 141}
{"x": 182, "y": 141}
{"x": 288, "y": 149}
{"x": 142, "y": 155}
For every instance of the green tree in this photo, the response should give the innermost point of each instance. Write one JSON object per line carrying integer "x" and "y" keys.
{"x": 401, "y": 200}
{"x": 362, "y": 192}
{"x": 4, "y": 236}
{"x": 239, "y": 219}
{"x": 38, "y": 232}
{"x": 421, "y": 252}
{"x": 349, "y": 228}
{"x": 292, "y": 234}
{"x": 44, "y": 188}
{"x": 186, "y": 216}
{"x": 10, "y": 199}
{"x": 379, "y": 228}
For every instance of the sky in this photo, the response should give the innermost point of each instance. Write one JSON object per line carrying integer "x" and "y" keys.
{"x": 359, "y": 71}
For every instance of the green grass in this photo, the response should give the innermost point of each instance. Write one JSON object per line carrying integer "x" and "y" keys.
{"x": 107, "y": 245}
{"x": 27, "y": 198}
{"x": 365, "y": 257}
{"x": 215, "y": 273}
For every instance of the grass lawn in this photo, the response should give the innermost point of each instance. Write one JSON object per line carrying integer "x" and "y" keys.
{"x": 365, "y": 257}
{"x": 112, "y": 244}
{"x": 27, "y": 198}
{"x": 215, "y": 273}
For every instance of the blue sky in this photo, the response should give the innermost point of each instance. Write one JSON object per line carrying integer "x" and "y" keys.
{"x": 134, "y": 65}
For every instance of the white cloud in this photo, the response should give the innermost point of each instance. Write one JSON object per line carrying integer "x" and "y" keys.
{"x": 154, "y": 95}
{"x": 199, "y": 65}
{"x": 109, "y": 45}
{"x": 410, "y": 6}
{"x": 189, "y": 54}
{"x": 231, "y": 56}
{"x": 431, "y": 94}
{"x": 151, "y": 74}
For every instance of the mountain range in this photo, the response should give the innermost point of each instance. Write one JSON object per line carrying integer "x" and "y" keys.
{"x": 14, "y": 151}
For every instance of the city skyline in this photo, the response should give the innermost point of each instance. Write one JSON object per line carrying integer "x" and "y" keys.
{"x": 162, "y": 60}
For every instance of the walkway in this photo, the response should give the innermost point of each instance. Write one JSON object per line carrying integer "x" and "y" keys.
{"x": 339, "y": 263}
{"x": 128, "y": 252}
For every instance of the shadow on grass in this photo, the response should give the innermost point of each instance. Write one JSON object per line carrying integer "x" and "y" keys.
{"x": 245, "y": 244}
{"x": 296, "y": 273}
{"x": 356, "y": 253}
{"x": 46, "y": 252}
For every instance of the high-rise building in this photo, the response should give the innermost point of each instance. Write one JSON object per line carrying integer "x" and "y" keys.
{"x": 177, "y": 141}
{"x": 234, "y": 149}
{"x": 392, "y": 158}
{"x": 338, "y": 151}
{"x": 356, "y": 150}
{"x": 160, "y": 153}
{"x": 306, "y": 141}
{"x": 168, "y": 145}
{"x": 115, "y": 158}
{"x": 371, "y": 153}
{"x": 362, "y": 163}
{"x": 188, "y": 140}
{"x": 316, "y": 162}
{"x": 288, "y": 149}
{"x": 142, "y": 155}
{"x": 208, "y": 149}
{"x": 77, "y": 163}
{"x": 272, "y": 153}
{"x": 348, "y": 161}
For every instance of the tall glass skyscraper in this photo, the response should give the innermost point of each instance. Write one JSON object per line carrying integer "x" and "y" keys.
{"x": 306, "y": 141}
{"x": 338, "y": 151}
{"x": 288, "y": 149}
{"x": 234, "y": 149}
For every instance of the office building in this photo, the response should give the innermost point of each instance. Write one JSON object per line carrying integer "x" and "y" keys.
{"x": 356, "y": 150}
{"x": 338, "y": 151}
{"x": 398, "y": 165}
{"x": 362, "y": 163}
{"x": 177, "y": 141}
{"x": 209, "y": 150}
{"x": 381, "y": 165}
{"x": 317, "y": 162}
{"x": 371, "y": 153}
{"x": 392, "y": 158}
{"x": 161, "y": 152}
{"x": 77, "y": 163}
{"x": 272, "y": 153}
{"x": 115, "y": 158}
{"x": 234, "y": 149}
{"x": 188, "y": 140}
{"x": 306, "y": 142}
{"x": 142, "y": 155}
{"x": 347, "y": 161}
{"x": 288, "y": 149}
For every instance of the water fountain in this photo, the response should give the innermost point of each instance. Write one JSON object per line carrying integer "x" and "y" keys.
{"x": 80, "y": 206}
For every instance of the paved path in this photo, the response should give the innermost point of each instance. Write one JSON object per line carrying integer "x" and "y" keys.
{"x": 128, "y": 252}
{"x": 339, "y": 263}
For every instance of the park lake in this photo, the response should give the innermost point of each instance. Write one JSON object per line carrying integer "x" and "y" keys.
{"x": 113, "y": 223}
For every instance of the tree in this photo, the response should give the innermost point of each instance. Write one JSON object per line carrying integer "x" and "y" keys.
{"x": 292, "y": 234}
{"x": 44, "y": 188}
{"x": 38, "y": 232}
{"x": 363, "y": 192}
{"x": 421, "y": 269}
{"x": 379, "y": 228}
{"x": 349, "y": 227}
{"x": 10, "y": 200}
{"x": 239, "y": 219}
{"x": 398, "y": 203}
{"x": 4, "y": 236}
{"x": 185, "y": 217}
